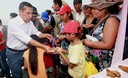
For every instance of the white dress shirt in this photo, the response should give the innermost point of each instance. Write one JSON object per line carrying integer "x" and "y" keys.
{"x": 19, "y": 33}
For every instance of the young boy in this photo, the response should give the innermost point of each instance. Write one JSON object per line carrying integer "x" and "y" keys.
{"x": 76, "y": 55}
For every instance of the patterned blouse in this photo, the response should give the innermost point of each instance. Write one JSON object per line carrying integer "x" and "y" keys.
{"x": 101, "y": 58}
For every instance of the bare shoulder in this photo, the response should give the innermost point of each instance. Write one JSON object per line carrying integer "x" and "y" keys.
{"x": 113, "y": 19}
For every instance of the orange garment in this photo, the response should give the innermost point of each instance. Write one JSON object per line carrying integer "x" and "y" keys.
{"x": 41, "y": 67}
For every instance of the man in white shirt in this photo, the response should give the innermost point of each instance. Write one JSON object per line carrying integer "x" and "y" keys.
{"x": 78, "y": 13}
{"x": 19, "y": 30}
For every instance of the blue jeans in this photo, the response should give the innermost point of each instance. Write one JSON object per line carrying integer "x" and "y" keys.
{"x": 15, "y": 61}
{"x": 3, "y": 62}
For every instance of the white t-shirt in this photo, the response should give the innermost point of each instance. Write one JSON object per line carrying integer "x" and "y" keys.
{"x": 79, "y": 17}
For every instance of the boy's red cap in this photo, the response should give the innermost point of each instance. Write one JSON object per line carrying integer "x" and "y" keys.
{"x": 64, "y": 9}
{"x": 71, "y": 27}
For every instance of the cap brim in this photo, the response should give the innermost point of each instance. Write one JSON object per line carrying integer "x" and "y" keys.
{"x": 45, "y": 18}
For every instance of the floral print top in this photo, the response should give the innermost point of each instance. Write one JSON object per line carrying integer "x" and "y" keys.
{"x": 104, "y": 57}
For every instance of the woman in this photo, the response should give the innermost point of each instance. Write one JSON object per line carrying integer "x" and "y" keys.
{"x": 105, "y": 31}
{"x": 89, "y": 21}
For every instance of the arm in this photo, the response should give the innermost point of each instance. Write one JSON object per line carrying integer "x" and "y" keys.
{"x": 46, "y": 36}
{"x": 65, "y": 51}
{"x": 66, "y": 60}
{"x": 57, "y": 42}
{"x": 37, "y": 44}
{"x": 109, "y": 38}
{"x": 64, "y": 3}
{"x": 18, "y": 33}
{"x": 25, "y": 64}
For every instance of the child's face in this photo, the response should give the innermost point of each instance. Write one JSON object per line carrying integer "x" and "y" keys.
{"x": 64, "y": 17}
{"x": 69, "y": 36}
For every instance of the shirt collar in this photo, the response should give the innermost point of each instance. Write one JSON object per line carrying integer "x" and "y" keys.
{"x": 21, "y": 20}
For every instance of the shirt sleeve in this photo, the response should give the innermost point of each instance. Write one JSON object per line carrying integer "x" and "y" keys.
{"x": 75, "y": 55}
{"x": 34, "y": 30}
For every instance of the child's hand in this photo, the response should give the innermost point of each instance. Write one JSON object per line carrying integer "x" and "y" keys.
{"x": 57, "y": 50}
{"x": 61, "y": 37}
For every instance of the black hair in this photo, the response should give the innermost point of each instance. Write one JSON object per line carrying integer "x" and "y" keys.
{"x": 77, "y": 1}
{"x": 22, "y": 4}
{"x": 0, "y": 22}
{"x": 59, "y": 2}
{"x": 48, "y": 11}
{"x": 85, "y": 7}
{"x": 71, "y": 15}
{"x": 114, "y": 9}
{"x": 35, "y": 11}
{"x": 33, "y": 56}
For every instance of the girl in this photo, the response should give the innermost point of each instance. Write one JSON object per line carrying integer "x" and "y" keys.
{"x": 33, "y": 61}
{"x": 76, "y": 51}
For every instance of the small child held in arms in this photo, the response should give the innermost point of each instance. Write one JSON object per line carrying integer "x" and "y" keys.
{"x": 76, "y": 55}
{"x": 33, "y": 60}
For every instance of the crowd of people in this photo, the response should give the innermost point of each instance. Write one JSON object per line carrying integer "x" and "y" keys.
{"x": 56, "y": 43}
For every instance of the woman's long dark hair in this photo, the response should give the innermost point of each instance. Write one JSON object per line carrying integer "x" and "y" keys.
{"x": 33, "y": 56}
{"x": 33, "y": 60}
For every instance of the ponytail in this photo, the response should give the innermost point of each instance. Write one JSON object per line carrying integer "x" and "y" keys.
{"x": 33, "y": 60}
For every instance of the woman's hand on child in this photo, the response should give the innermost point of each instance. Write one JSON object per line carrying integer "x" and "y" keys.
{"x": 84, "y": 41}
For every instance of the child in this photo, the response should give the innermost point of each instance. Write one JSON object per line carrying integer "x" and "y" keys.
{"x": 47, "y": 28}
{"x": 66, "y": 16}
{"x": 76, "y": 55}
{"x": 33, "y": 61}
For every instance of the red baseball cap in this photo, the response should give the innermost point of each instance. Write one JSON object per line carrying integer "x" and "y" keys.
{"x": 71, "y": 27}
{"x": 64, "y": 9}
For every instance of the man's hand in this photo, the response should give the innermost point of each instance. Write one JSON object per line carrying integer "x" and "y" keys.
{"x": 49, "y": 36}
{"x": 47, "y": 49}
